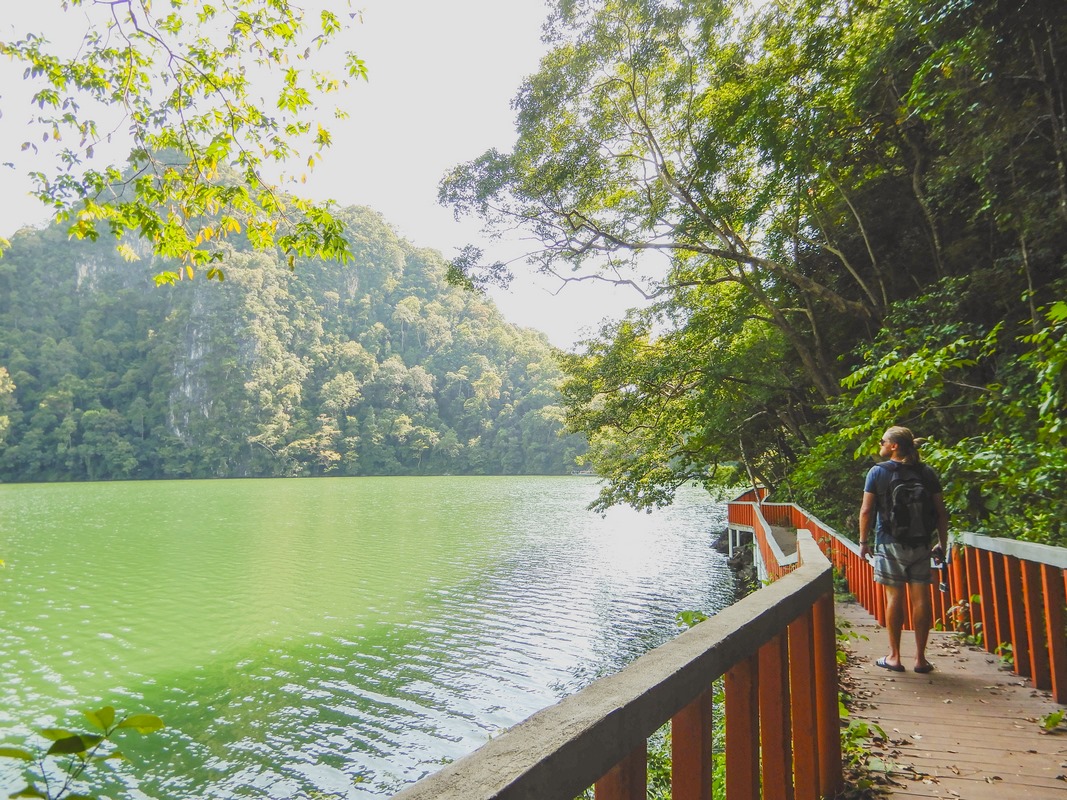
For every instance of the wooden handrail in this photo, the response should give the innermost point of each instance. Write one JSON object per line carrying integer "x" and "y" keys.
{"x": 598, "y": 736}
{"x": 1010, "y": 592}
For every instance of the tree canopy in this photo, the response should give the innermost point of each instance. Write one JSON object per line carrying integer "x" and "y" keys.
{"x": 212, "y": 101}
{"x": 382, "y": 369}
{"x": 863, "y": 208}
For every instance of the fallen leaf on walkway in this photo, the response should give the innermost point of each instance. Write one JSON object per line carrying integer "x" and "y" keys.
{"x": 993, "y": 779}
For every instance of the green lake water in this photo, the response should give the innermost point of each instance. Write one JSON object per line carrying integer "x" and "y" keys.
{"x": 328, "y": 637}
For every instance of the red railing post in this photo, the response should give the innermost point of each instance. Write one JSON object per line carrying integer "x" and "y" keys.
{"x": 859, "y": 584}
{"x": 861, "y": 587}
{"x": 879, "y": 601}
{"x": 1057, "y": 643}
{"x": 863, "y": 573}
{"x": 1020, "y": 640}
{"x": 858, "y": 581}
{"x": 958, "y": 590}
{"x": 970, "y": 556}
{"x": 1000, "y": 599}
{"x": 627, "y": 780}
{"x": 937, "y": 611}
{"x": 774, "y": 725}
{"x": 691, "y": 741}
{"x": 828, "y": 718}
{"x": 742, "y": 730}
{"x": 802, "y": 692}
{"x": 985, "y": 588}
{"x": 1035, "y": 624}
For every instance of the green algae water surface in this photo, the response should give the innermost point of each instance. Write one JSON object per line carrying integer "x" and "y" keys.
{"x": 315, "y": 638}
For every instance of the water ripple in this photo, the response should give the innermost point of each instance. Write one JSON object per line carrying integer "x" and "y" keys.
{"x": 339, "y": 636}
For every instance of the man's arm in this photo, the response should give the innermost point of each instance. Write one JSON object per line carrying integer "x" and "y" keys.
{"x": 867, "y": 512}
{"x": 942, "y": 521}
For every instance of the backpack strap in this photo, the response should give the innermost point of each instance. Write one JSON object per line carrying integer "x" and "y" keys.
{"x": 883, "y": 496}
{"x": 894, "y": 467}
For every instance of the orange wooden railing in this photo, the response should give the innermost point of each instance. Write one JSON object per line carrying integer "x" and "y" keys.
{"x": 1018, "y": 591}
{"x": 1010, "y": 592}
{"x": 776, "y": 652}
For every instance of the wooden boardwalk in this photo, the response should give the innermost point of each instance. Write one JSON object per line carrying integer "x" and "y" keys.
{"x": 968, "y": 730}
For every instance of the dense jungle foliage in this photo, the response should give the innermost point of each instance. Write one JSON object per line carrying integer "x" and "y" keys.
{"x": 864, "y": 209}
{"x": 378, "y": 367}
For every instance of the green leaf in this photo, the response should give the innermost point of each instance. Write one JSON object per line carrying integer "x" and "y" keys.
{"x": 73, "y": 745}
{"x": 1052, "y": 720}
{"x": 55, "y": 734}
{"x": 143, "y": 723}
{"x": 689, "y": 619}
{"x": 29, "y": 791}
{"x": 14, "y": 752}
{"x": 102, "y": 719}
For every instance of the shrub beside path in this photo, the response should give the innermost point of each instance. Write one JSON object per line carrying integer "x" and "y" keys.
{"x": 969, "y": 729}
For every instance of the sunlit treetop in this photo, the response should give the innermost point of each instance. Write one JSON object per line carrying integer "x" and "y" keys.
{"x": 218, "y": 103}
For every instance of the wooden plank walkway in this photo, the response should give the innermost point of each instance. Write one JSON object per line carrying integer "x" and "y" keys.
{"x": 967, "y": 730}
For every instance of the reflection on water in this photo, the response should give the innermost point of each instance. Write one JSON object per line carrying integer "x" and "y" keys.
{"x": 345, "y": 636}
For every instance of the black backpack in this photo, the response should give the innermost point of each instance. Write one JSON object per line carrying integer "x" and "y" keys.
{"x": 910, "y": 515}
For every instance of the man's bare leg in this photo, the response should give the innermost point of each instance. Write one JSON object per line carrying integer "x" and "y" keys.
{"x": 895, "y": 598}
{"x": 921, "y": 615}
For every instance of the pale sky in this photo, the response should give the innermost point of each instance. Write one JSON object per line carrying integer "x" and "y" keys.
{"x": 442, "y": 75}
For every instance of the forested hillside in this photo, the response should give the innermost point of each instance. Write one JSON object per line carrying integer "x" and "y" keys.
{"x": 864, "y": 207}
{"x": 376, "y": 367}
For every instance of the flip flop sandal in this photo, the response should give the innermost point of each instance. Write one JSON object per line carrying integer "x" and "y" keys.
{"x": 924, "y": 669}
{"x": 892, "y": 667}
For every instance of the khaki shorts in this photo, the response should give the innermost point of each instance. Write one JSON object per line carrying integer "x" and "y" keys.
{"x": 897, "y": 564}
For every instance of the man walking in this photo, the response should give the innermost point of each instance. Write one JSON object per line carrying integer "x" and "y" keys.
{"x": 902, "y": 562}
